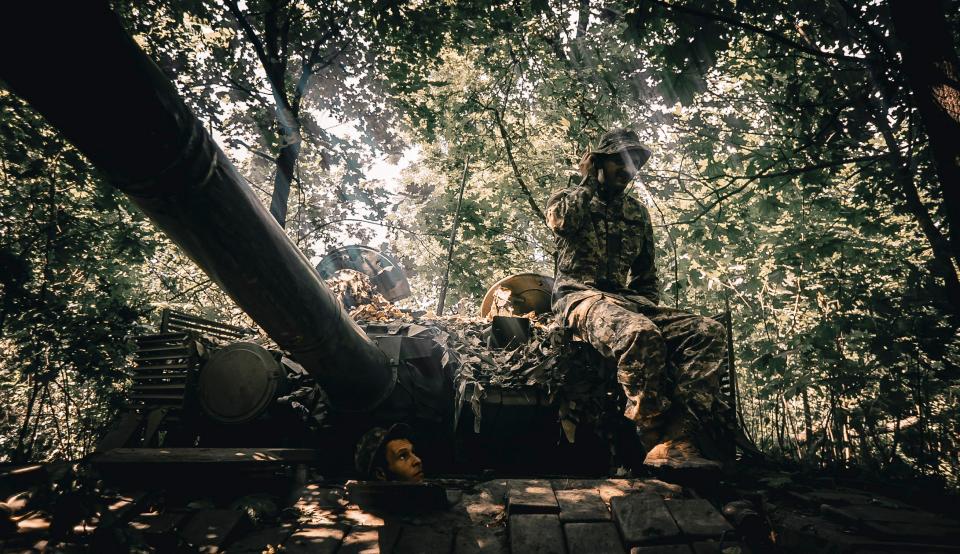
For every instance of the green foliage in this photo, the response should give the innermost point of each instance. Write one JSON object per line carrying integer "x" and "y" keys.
{"x": 70, "y": 251}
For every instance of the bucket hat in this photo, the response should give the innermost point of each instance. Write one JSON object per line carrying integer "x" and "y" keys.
{"x": 622, "y": 140}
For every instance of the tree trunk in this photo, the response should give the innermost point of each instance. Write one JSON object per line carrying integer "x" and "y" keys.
{"x": 286, "y": 164}
{"x": 19, "y": 453}
{"x": 780, "y": 419}
{"x": 29, "y": 450}
{"x": 807, "y": 421}
{"x": 272, "y": 51}
{"x": 923, "y": 412}
{"x": 834, "y": 435}
{"x": 792, "y": 427}
{"x": 453, "y": 238}
{"x": 933, "y": 73}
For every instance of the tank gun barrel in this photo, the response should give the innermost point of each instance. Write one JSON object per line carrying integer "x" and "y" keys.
{"x": 94, "y": 83}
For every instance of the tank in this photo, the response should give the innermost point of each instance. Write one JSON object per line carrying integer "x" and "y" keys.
{"x": 164, "y": 160}
{"x": 219, "y": 392}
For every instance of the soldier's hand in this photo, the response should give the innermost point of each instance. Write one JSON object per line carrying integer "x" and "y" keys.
{"x": 588, "y": 162}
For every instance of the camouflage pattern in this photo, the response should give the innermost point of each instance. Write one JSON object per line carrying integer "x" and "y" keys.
{"x": 607, "y": 291}
{"x": 622, "y": 140}
{"x": 602, "y": 245}
{"x": 370, "y": 446}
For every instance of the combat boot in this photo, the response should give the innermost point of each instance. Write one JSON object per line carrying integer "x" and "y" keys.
{"x": 678, "y": 450}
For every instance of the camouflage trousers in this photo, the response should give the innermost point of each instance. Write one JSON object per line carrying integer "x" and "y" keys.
{"x": 665, "y": 357}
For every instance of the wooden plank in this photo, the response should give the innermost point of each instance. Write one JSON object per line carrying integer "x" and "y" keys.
{"x": 212, "y": 528}
{"x": 394, "y": 496}
{"x": 582, "y": 505}
{"x": 610, "y": 488}
{"x": 698, "y": 518}
{"x": 883, "y": 514}
{"x": 315, "y": 539}
{"x": 815, "y": 498}
{"x": 206, "y": 456}
{"x": 480, "y": 540}
{"x": 361, "y": 540}
{"x": 486, "y": 506}
{"x": 905, "y": 524}
{"x": 661, "y": 549}
{"x": 803, "y": 533}
{"x": 531, "y": 497}
{"x": 643, "y": 518}
{"x": 584, "y": 538}
{"x": 909, "y": 531}
{"x": 423, "y": 540}
{"x": 536, "y": 534}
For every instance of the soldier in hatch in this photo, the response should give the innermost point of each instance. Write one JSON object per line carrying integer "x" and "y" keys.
{"x": 388, "y": 455}
{"x": 608, "y": 292}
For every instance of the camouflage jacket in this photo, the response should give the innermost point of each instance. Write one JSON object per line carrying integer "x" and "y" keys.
{"x": 602, "y": 246}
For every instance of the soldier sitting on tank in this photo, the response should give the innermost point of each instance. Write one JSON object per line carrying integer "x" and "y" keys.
{"x": 388, "y": 455}
{"x": 608, "y": 292}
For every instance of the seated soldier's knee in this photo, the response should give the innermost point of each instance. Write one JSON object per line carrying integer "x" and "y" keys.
{"x": 646, "y": 334}
{"x": 645, "y": 328}
{"x": 644, "y": 347}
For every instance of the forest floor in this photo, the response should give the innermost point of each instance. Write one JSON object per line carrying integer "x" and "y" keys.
{"x": 277, "y": 507}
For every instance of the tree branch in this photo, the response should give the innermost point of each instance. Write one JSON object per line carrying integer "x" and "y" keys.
{"x": 513, "y": 164}
{"x": 908, "y": 188}
{"x": 800, "y": 170}
{"x": 249, "y": 32}
{"x": 776, "y": 37}
{"x": 765, "y": 174}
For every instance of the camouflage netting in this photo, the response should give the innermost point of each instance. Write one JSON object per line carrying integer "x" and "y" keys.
{"x": 572, "y": 375}
{"x": 359, "y": 295}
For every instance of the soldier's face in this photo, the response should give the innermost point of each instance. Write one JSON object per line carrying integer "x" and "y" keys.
{"x": 402, "y": 462}
{"x": 616, "y": 172}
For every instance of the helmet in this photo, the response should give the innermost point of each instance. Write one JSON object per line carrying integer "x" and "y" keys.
{"x": 371, "y": 443}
